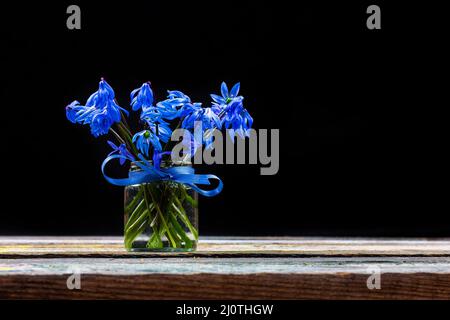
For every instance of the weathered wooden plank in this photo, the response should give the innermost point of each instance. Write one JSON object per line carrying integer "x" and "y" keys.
{"x": 112, "y": 246}
{"x": 226, "y": 268}
{"x": 224, "y": 287}
{"x": 189, "y": 265}
{"x": 228, "y": 278}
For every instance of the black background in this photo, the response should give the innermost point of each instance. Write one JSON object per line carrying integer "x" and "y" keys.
{"x": 281, "y": 309}
{"x": 361, "y": 112}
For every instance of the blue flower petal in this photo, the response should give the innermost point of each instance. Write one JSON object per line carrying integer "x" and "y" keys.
{"x": 142, "y": 97}
{"x": 224, "y": 90}
{"x": 235, "y": 90}
{"x": 218, "y": 99}
{"x": 112, "y": 145}
{"x": 133, "y": 93}
{"x": 92, "y": 99}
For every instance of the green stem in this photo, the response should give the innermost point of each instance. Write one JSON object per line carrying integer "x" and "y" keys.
{"x": 131, "y": 235}
{"x": 124, "y": 120}
{"x": 179, "y": 209}
{"x": 117, "y": 136}
{"x": 134, "y": 215}
{"x": 136, "y": 224}
{"x": 133, "y": 202}
{"x": 128, "y": 138}
{"x": 170, "y": 194}
{"x": 181, "y": 232}
{"x": 138, "y": 221}
{"x": 125, "y": 129}
{"x": 148, "y": 204}
{"x": 158, "y": 209}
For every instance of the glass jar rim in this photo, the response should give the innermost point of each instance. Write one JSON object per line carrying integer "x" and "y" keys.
{"x": 164, "y": 164}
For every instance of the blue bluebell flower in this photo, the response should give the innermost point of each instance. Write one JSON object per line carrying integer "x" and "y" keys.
{"x": 144, "y": 139}
{"x": 231, "y": 111}
{"x": 181, "y": 111}
{"x": 122, "y": 150}
{"x": 177, "y": 105}
{"x": 76, "y": 113}
{"x": 151, "y": 115}
{"x": 161, "y": 129}
{"x": 100, "y": 123}
{"x": 156, "y": 132}
{"x": 101, "y": 110}
{"x": 208, "y": 119}
{"x": 100, "y": 98}
{"x": 228, "y": 96}
{"x": 104, "y": 99}
{"x": 177, "y": 97}
{"x": 236, "y": 119}
{"x": 142, "y": 98}
{"x": 206, "y": 116}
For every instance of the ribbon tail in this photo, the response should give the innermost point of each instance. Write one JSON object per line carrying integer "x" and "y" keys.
{"x": 118, "y": 182}
{"x": 207, "y": 193}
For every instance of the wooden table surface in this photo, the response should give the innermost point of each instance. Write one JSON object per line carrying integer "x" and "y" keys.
{"x": 226, "y": 268}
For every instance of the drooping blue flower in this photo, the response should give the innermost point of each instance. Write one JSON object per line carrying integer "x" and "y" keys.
{"x": 161, "y": 129}
{"x": 156, "y": 132}
{"x": 144, "y": 139}
{"x": 236, "y": 118}
{"x": 122, "y": 150}
{"x": 208, "y": 119}
{"x": 177, "y": 105}
{"x": 100, "y": 124}
{"x": 101, "y": 110}
{"x": 150, "y": 115}
{"x": 181, "y": 111}
{"x": 177, "y": 97}
{"x": 104, "y": 99}
{"x": 228, "y": 96}
{"x": 142, "y": 98}
{"x": 206, "y": 116}
{"x": 100, "y": 98}
{"x": 76, "y": 113}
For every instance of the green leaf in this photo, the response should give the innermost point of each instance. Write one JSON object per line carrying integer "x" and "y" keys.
{"x": 155, "y": 241}
{"x": 135, "y": 214}
{"x": 180, "y": 231}
{"x": 134, "y": 202}
{"x": 180, "y": 210}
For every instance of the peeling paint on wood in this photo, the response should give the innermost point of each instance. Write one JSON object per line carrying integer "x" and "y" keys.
{"x": 13, "y": 247}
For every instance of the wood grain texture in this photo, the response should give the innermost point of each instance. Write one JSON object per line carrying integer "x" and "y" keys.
{"x": 294, "y": 268}
{"x": 113, "y": 247}
{"x": 219, "y": 286}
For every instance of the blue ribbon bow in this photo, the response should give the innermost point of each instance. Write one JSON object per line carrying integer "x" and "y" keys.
{"x": 182, "y": 174}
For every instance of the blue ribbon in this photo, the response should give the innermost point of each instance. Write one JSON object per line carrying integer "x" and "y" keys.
{"x": 182, "y": 174}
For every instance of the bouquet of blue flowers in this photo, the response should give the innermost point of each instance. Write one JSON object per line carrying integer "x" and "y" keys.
{"x": 161, "y": 191}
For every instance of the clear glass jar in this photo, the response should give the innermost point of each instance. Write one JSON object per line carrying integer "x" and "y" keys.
{"x": 160, "y": 216}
